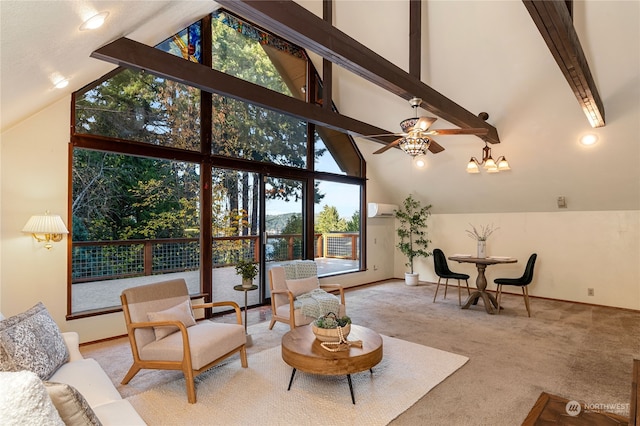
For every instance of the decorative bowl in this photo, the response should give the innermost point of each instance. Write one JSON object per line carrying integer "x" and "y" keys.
{"x": 330, "y": 334}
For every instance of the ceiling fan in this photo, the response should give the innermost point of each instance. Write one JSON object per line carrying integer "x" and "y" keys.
{"x": 416, "y": 139}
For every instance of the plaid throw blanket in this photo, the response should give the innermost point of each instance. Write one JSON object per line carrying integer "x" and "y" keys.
{"x": 317, "y": 303}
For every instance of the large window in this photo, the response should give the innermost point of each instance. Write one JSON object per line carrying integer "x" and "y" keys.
{"x": 141, "y": 107}
{"x": 153, "y": 195}
{"x": 132, "y": 218}
{"x": 337, "y": 227}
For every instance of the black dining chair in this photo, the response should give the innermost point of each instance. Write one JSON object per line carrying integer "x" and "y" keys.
{"x": 522, "y": 282}
{"x": 443, "y": 271}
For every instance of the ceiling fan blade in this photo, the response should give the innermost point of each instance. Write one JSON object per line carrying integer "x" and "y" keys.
{"x": 435, "y": 147}
{"x": 384, "y": 134}
{"x": 467, "y": 131}
{"x": 389, "y": 146}
{"x": 424, "y": 123}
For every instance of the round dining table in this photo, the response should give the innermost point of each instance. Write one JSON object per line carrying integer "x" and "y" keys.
{"x": 481, "y": 281}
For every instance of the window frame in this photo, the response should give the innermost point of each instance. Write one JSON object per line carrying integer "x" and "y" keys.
{"x": 207, "y": 161}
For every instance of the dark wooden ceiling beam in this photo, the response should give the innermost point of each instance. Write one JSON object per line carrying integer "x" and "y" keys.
{"x": 415, "y": 38}
{"x": 327, "y": 69}
{"x": 132, "y": 54}
{"x": 296, "y": 24}
{"x": 553, "y": 19}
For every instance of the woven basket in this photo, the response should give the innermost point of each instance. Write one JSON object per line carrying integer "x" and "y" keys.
{"x": 330, "y": 334}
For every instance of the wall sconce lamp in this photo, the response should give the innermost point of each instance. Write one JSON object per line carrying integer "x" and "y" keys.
{"x": 489, "y": 164}
{"x": 46, "y": 228}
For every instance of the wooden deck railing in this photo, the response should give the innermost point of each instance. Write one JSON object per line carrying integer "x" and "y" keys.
{"x": 104, "y": 260}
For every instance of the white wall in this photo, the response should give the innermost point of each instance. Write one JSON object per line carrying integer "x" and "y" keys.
{"x": 576, "y": 251}
{"x": 34, "y": 179}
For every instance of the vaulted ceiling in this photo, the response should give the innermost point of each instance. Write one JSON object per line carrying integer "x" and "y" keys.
{"x": 484, "y": 55}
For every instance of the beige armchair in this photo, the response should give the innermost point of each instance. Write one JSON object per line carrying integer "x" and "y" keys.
{"x": 287, "y": 284}
{"x": 164, "y": 334}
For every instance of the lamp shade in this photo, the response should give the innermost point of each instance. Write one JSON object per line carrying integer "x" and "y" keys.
{"x": 503, "y": 164}
{"x": 414, "y": 144}
{"x": 472, "y": 166}
{"x": 45, "y": 224}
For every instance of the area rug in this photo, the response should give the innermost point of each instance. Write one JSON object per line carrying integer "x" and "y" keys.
{"x": 232, "y": 395}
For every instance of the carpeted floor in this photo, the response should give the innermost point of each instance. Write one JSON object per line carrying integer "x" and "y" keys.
{"x": 579, "y": 352}
{"x": 406, "y": 373}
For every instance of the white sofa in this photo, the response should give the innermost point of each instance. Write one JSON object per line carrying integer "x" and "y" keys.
{"x": 86, "y": 375}
{"x": 35, "y": 369}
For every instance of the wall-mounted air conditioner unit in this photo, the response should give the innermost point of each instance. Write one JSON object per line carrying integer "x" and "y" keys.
{"x": 381, "y": 210}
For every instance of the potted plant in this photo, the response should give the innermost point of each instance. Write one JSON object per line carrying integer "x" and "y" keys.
{"x": 412, "y": 233}
{"x": 329, "y": 327}
{"x": 248, "y": 271}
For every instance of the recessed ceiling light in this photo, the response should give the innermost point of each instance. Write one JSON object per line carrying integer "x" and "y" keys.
{"x": 61, "y": 84}
{"x": 94, "y": 22}
{"x": 589, "y": 139}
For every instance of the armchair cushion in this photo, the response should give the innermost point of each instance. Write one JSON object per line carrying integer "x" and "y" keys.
{"x": 302, "y": 286}
{"x": 32, "y": 341}
{"x": 181, "y": 312}
{"x": 204, "y": 347}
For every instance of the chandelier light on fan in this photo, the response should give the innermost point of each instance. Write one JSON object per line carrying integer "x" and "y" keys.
{"x": 416, "y": 139}
{"x": 414, "y": 143}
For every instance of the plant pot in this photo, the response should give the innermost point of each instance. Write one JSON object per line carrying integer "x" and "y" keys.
{"x": 411, "y": 279}
{"x": 330, "y": 334}
{"x": 247, "y": 283}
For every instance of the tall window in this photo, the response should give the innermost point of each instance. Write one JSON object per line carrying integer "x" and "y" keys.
{"x": 152, "y": 195}
{"x": 132, "y": 217}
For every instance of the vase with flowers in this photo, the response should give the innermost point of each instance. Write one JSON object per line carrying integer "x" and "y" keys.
{"x": 481, "y": 237}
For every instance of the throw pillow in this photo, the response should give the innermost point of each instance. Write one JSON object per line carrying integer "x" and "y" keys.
{"x": 181, "y": 312}
{"x": 303, "y": 285}
{"x": 32, "y": 341}
{"x": 24, "y": 401}
{"x": 71, "y": 405}
{"x": 306, "y": 268}
{"x": 289, "y": 271}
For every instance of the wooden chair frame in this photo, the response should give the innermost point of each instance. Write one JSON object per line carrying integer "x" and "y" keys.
{"x": 185, "y": 364}
{"x": 291, "y": 318}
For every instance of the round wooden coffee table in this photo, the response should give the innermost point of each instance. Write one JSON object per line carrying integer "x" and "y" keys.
{"x": 302, "y": 351}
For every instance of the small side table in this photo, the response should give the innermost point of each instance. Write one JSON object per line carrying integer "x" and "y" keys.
{"x": 246, "y": 289}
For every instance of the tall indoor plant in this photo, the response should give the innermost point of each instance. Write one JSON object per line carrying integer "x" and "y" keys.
{"x": 412, "y": 232}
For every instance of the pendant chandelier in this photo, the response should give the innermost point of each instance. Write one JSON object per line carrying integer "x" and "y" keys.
{"x": 488, "y": 163}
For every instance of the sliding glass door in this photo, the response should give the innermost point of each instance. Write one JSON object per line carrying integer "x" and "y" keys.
{"x": 283, "y": 228}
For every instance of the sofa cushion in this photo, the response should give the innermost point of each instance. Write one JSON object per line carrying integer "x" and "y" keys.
{"x": 24, "y": 401}
{"x": 118, "y": 413}
{"x": 71, "y": 405}
{"x": 32, "y": 341}
{"x": 181, "y": 312}
{"x": 89, "y": 379}
{"x": 303, "y": 285}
